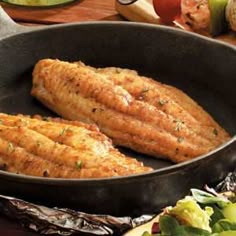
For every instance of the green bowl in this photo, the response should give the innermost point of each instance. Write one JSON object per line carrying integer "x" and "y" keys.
{"x": 40, "y": 3}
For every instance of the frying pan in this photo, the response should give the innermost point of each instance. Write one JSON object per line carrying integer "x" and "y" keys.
{"x": 203, "y": 68}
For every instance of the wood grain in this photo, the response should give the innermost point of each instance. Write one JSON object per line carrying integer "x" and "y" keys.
{"x": 83, "y": 10}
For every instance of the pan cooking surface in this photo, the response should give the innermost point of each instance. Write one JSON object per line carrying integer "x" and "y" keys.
{"x": 15, "y": 98}
{"x": 203, "y": 69}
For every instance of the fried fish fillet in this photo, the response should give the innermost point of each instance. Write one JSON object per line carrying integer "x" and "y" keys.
{"x": 135, "y": 111}
{"x": 60, "y": 149}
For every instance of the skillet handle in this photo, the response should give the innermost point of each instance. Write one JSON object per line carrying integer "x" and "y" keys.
{"x": 8, "y": 27}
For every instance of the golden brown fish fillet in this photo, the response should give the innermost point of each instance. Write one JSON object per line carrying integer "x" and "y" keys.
{"x": 135, "y": 111}
{"x": 57, "y": 148}
{"x": 167, "y": 98}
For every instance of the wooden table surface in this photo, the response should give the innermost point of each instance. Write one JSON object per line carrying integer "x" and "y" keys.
{"x": 80, "y": 10}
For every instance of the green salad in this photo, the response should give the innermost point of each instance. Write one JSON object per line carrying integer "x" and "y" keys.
{"x": 201, "y": 214}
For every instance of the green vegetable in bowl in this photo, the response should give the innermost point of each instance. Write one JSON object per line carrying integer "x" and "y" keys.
{"x": 187, "y": 211}
{"x": 170, "y": 226}
{"x": 208, "y": 198}
{"x": 202, "y": 214}
{"x": 230, "y": 212}
{"x": 224, "y": 225}
{"x": 226, "y": 233}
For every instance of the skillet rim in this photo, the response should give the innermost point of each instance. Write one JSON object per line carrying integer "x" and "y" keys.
{"x": 156, "y": 172}
{"x": 22, "y": 29}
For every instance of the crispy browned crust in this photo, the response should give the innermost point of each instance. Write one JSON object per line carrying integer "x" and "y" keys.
{"x": 135, "y": 111}
{"x": 58, "y": 148}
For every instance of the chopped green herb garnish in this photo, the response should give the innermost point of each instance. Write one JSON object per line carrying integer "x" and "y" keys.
{"x": 44, "y": 118}
{"x": 79, "y": 164}
{"x": 162, "y": 102}
{"x": 145, "y": 90}
{"x": 24, "y": 122}
{"x": 215, "y": 132}
{"x": 180, "y": 139}
{"x": 10, "y": 147}
{"x": 38, "y": 143}
{"x": 179, "y": 124}
{"x": 1, "y": 122}
{"x": 64, "y": 130}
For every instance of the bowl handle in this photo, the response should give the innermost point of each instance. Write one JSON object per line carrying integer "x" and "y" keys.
{"x": 8, "y": 27}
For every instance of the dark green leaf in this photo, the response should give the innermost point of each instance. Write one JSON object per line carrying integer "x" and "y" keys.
{"x": 191, "y": 231}
{"x": 79, "y": 164}
{"x": 217, "y": 215}
{"x": 223, "y": 225}
{"x": 170, "y": 227}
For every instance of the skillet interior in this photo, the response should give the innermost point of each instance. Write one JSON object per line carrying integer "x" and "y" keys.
{"x": 202, "y": 68}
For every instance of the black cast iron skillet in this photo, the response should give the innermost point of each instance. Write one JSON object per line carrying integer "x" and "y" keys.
{"x": 203, "y": 68}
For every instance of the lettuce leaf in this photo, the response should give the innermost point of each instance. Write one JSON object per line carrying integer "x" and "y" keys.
{"x": 230, "y": 212}
{"x": 208, "y": 198}
{"x": 188, "y": 212}
{"x": 224, "y": 225}
{"x": 217, "y": 215}
{"x": 170, "y": 227}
